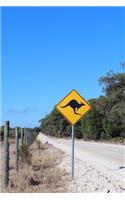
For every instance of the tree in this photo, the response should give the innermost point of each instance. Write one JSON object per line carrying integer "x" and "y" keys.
{"x": 105, "y": 121}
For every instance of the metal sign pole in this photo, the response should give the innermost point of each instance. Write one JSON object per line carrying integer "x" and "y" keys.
{"x": 76, "y": 103}
{"x": 72, "y": 152}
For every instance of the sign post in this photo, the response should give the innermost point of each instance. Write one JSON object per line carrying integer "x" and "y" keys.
{"x": 73, "y": 107}
{"x": 72, "y": 151}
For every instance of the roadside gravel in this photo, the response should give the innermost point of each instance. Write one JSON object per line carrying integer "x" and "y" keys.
{"x": 90, "y": 174}
{"x": 88, "y": 178}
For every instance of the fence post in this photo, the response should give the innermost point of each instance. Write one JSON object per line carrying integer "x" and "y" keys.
{"x": 6, "y": 156}
{"x": 1, "y": 136}
{"x": 22, "y": 136}
{"x": 16, "y": 148}
{"x": 33, "y": 136}
{"x": 28, "y": 138}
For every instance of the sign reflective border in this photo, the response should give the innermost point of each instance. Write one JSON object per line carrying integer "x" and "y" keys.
{"x": 73, "y": 107}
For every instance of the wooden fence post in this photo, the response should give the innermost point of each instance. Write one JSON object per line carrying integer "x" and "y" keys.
{"x": 16, "y": 148}
{"x": 6, "y": 156}
{"x": 27, "y": 138}
{"x": 30, "y": 137}
{"x": 26, "y": 135}
{"x": 22, "y": 136}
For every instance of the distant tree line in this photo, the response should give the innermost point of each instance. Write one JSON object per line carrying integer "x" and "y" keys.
{"x": 105, "y": 121}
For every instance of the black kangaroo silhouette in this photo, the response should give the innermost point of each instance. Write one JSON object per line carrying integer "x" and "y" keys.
{"x": 74, "y": 105}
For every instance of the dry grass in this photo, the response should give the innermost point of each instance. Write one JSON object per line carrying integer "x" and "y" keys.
{"x": 1, "y": 165}
{"x": 43, "y": 175}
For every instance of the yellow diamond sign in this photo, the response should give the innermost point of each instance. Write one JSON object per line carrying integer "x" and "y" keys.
{"x": 73, "y": 107}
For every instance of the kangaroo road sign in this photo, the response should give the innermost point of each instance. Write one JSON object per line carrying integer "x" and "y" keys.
{"x": 73, "y": 107}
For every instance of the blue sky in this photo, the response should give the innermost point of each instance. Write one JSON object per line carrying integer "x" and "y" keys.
{"x": 48, "y": 51}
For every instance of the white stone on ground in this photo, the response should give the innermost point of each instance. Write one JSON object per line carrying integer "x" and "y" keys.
{"x": 88, "y": 178}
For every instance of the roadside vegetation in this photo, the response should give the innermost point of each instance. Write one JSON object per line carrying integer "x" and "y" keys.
{"x": 106, "y": 121}
{"x": 38, "y": 172}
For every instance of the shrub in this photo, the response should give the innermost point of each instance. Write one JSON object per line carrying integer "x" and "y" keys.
{"x": 38, "y": 143}
{"x": 25, "y": 154}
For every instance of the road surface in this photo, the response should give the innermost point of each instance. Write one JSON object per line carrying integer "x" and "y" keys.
{"x": 110, "y": 156}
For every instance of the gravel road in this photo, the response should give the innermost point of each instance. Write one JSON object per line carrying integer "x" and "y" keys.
{"x": 99, "y": 167}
